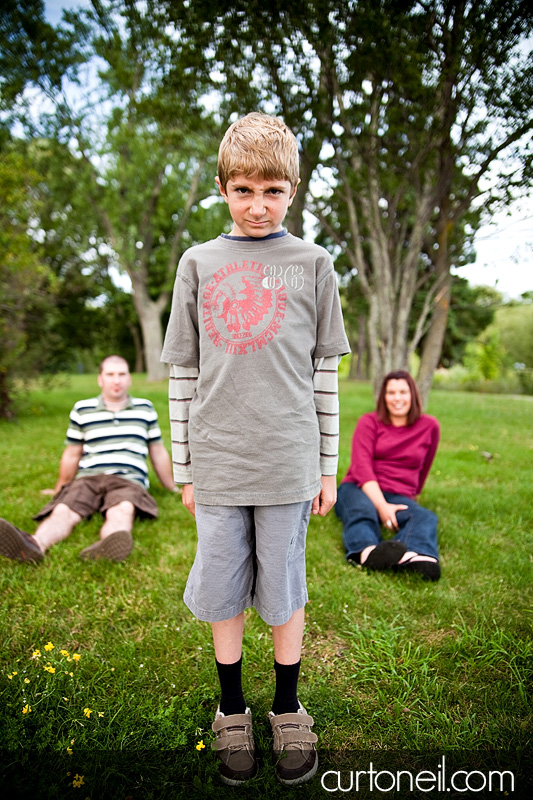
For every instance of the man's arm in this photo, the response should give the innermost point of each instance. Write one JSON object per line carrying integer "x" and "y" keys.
{"x": 162, "y": 464}
{"x": 68, "y": 466}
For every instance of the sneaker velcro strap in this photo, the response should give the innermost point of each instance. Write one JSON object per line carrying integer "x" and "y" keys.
{"x": 232, "y": 741}
{"x": 231, "y": 721}
{"x": 294, "y": 737}
{"x": 293, "y": 719}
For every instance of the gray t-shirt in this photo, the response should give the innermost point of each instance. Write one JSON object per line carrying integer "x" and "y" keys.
{"x": 252, "y": 315}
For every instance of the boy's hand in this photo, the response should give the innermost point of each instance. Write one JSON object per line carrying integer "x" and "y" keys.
{"x": 327, "y": 498}
{"x": 187, "y": 496}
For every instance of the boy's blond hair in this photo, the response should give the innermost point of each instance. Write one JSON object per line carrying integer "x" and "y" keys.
{"x": 259, "y": 145}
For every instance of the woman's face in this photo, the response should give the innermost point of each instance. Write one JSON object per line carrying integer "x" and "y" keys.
{"x": 398, "y": 400}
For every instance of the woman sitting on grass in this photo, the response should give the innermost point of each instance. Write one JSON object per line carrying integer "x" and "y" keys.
{"x": 392, "y": 451}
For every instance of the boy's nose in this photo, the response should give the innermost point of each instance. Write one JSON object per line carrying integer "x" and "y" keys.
{"x": 257, "y": 207}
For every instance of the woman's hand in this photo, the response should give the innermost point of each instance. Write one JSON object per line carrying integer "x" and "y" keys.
{"x": 387, "y": 514}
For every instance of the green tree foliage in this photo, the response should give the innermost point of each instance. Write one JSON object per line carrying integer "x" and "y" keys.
{"x": 484, "y": 358}
{"x": 134, "y": 157}
{"x": 403, "y": 110}
{"x": 25, "y": 282}
{"x": 472, "y": 310}
{"x": 514, "y": 323}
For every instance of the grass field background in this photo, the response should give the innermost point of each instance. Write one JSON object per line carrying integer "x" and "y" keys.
{"x": 393, "y": 667}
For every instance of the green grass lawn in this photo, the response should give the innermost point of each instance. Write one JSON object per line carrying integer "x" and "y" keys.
{"x": 394, "y": 669}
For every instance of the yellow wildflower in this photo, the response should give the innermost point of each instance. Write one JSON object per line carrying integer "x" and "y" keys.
{"x": 26, "y": 709}
{"x": 88, "y": 712}
{"x": 64, "y": 652}
{"x": 26, "y": 680}
{"x": 36, "y": 654}
{"x": 49, "y": 646}
{"x": 76, "y": 657}
{"x": 65, "y": 699}
{"x": 69, "y": 750}
{"x": 78, "y": 781}
{"x": 100, "y": 713}
{"x": 49, "y": 668}
{"x": 12, "y": 675}
{"x": 200, "y": 745}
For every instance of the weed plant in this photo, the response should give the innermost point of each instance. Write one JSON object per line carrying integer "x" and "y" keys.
{"x": 108, "y": 683}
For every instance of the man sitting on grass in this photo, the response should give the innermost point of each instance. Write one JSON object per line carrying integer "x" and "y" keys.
{"x": 103, "y": 468}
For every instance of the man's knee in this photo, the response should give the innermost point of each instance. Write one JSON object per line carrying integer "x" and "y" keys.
{"x": 65, "y": 513}
{"x": 123, "y": 508}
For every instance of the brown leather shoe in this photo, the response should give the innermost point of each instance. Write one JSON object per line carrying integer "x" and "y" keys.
{"x": 18, "y": 545}
{"x": 115, "y": 547}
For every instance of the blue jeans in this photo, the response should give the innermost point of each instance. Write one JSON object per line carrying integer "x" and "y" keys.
{"x": 362, "y": 526}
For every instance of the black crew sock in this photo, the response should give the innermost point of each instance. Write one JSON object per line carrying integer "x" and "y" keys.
{"x": 232, "y": 698}
{"x": 286, "y": 696}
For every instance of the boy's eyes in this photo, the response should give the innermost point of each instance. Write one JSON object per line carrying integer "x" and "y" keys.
{"x": 244, "y": 190}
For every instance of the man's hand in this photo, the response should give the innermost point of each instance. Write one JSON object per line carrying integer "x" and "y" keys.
{"x": 327, "y": 498}
{"x": 187, "y": 495}
{"x": 48, "y": 491}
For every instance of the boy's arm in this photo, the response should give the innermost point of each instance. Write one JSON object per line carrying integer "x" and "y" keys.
{"x": 326, "y": 396}
{"x": 181, "y": 389}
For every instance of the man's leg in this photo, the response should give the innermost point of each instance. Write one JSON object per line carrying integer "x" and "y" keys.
{"x": 116, "y": 542}
{"x": 20, "y": 546}
{"x": 118, "y": 518}
{"x": 56, "y": 526}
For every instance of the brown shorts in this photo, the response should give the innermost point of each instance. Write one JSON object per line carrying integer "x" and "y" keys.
{"x": 86, "y": 496}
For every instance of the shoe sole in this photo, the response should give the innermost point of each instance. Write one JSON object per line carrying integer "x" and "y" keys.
{"x": 115, "y": 547}
{"x": 14, "y": 545}
{"x": 237, "y": 781}
{"x": 302, "y": 778}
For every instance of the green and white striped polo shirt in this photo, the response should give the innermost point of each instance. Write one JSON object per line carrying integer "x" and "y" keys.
{"x": 114, "y": 442}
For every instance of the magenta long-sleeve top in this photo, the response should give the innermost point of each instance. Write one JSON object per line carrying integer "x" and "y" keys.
{"x": 398, "y": 458}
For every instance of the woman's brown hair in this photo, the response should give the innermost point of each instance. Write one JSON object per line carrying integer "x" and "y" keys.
{"x": 416, "y": 403}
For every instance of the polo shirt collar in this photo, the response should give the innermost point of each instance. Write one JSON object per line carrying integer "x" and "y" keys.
{"x": 102, "y": 407}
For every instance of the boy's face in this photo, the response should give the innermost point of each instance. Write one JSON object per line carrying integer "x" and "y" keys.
{"x": 257, "y": 207}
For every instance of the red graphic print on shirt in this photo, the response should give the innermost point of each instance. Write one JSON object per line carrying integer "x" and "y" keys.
{"x": 243, "y": 307}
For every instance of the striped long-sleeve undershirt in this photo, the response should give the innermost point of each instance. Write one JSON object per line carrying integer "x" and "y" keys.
{"x": 182, "y": 385}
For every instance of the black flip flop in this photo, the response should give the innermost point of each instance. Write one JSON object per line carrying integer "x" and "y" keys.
{"x": 385, "y": 555}
{"x": 429, "y": 570}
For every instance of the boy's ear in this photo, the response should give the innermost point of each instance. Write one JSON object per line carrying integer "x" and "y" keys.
{"x": 221, "y": 188}
{"x": 291, "y": 198}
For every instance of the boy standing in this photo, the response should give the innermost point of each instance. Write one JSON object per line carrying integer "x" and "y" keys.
{"x": 254, "y": 340}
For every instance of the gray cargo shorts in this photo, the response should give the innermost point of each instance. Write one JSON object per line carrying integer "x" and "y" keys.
{"x": 249, "y": 556}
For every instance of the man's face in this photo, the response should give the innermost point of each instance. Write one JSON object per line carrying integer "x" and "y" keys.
{"x": 114, "y": 380}
{"x": 257, "y": 207}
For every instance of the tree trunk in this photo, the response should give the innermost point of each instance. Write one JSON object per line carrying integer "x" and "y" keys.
{"x": 150, "y": 314}
{"x": 139, "y": 350}
{"x": 434, "y": 340}
{"x": 362, "y": 350}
